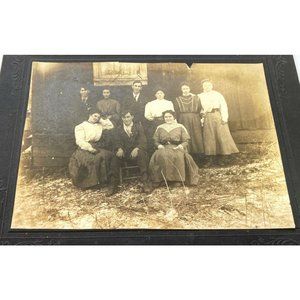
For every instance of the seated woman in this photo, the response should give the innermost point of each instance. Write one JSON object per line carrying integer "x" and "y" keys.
{"x": 171, "y": 161}
{"x": 90, "y": 163}
{"x": 153, "y": 113}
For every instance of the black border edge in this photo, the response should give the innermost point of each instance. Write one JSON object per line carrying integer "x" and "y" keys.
{"x": 283, "y": 86}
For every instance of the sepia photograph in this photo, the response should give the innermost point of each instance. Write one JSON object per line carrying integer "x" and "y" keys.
{"x": 115, "y": 145}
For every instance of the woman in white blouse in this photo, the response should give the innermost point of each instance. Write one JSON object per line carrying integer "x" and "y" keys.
{"x": 154, "y": 114}
{"x": 216, "y": 135}
{"x": 154, "y": 109}
{"x": 89, "y": 164}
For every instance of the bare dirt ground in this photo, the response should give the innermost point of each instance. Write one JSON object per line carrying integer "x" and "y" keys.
{"x": 249, "y": 191}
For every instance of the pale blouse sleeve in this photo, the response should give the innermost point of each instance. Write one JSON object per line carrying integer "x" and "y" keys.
{"x": 172, "y": 106}
{"x": 80, "y": 139}
{"x": 148, "y": 113}
{"x": 223, "y": 108}
{"x": 202, "y": 111}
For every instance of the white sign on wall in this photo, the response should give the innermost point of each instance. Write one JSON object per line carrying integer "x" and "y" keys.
{"x": 115, "y": 73}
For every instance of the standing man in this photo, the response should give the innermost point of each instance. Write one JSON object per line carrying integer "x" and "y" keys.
{"x": 136, "y": 103}
{"x": 130, "y": 145}
{"x": 84, "y": 95}
{"x": 83, "y": 106}
{"x": 109, "y": 108}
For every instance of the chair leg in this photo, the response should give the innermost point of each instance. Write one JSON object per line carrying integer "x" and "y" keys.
{"x": 121, "y": 177}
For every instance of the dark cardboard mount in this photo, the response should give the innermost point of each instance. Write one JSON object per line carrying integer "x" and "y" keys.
{"x": 284, "y": 91}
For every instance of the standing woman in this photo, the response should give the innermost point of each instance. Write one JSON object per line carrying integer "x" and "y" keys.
{"x": 188, "y": 109}
{"x": 154, "y": 113}
{"x": 171, "y": 161}
{"x": 109, "y": 108}
{"x": 216, "y": 134}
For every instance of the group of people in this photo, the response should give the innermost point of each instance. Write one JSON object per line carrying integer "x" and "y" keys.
{"x": 163, "y": 138}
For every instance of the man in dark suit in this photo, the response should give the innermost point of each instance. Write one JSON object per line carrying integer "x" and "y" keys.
{"x": 131, "y": 145}
{"x": 136, "y": 103}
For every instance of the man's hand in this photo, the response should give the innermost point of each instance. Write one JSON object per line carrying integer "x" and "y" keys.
{"x": 160, "y": 147}
{"x": 120, "y": 153}
{"x": 134, "y": 152}
{"x": 223, "y": 122}
{"x": 179, "y": 147}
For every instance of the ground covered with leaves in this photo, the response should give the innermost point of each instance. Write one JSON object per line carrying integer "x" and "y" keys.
{"x": 247, "y": 190}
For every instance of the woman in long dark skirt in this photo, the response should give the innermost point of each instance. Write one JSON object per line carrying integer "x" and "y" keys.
{"x": 188, "y": 108}
{"x": 171, "y": 161}
{"x": 90, "y": 163}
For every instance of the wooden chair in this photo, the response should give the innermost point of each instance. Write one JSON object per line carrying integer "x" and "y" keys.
{"x": 129, "y": 171}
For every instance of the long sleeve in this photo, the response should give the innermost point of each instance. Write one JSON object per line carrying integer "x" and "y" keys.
{"x": 99, "y": 107}
{"x": 172, "y": 106}
{"x": 117, "y": 140}
{"x": 148, "y": 113}
{"x": 156, "y": 138}
{"x": 80, "y": 139}
{"x": 176, "y": 109}
{"x": 116, "y": 116}
{"x": 223, "y": 108}
{"x": 201, "y": 109}
{"x": 185, "y": 137}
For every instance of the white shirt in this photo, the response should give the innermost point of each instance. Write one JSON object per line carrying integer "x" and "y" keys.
{"x": 214, "y": 99}
{"x": 128, "y": 129}
{"x": 155, "y": 108}
{"x": 87, "y": 132}
{"x": 136, "y": 96}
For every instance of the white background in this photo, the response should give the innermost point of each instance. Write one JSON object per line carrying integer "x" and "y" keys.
{"x": 149, "y": 27}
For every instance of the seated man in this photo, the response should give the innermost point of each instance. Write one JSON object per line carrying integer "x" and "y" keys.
{"x": 130, "y": 144}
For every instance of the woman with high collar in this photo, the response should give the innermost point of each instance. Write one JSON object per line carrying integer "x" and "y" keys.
{"x": 188, "y": 109}
{"x": 154, "y": 115}
{"x": 216, "y": 134}
{"x": 90, "y": 163}
{"x": 171, "y": 161}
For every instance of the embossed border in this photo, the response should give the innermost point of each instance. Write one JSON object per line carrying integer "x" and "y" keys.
{"x": 284, "y": 91}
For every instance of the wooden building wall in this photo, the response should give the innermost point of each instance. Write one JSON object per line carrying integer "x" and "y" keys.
{"x": 56, "y": 106}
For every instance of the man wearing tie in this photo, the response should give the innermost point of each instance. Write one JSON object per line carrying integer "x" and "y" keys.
{"x": 130, "y": 145}
{"x": 136, "y": 102}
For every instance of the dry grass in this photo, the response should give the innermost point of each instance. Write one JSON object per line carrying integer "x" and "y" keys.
{"x": 248, "y": 192}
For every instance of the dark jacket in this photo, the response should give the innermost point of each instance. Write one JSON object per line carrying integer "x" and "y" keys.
{"x": 137, "y": 107}
{"x": 106, "y": 141}
{"x": 137, "y": 139}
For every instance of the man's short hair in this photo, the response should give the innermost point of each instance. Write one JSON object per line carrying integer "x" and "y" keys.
{"x": 125, "y": 112}
{"x": 137, "y": 81}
